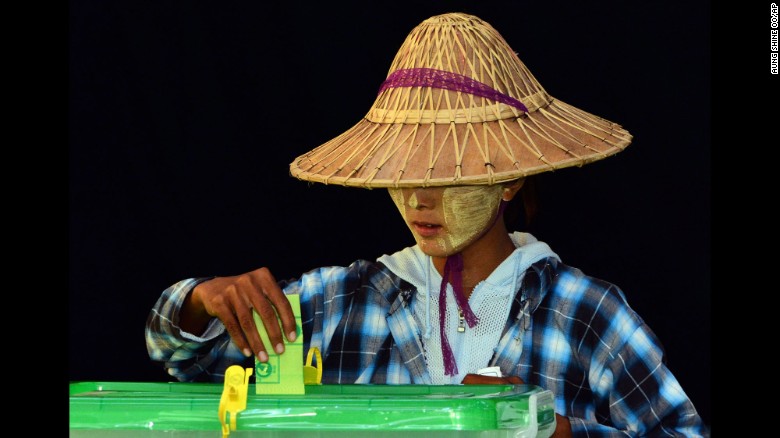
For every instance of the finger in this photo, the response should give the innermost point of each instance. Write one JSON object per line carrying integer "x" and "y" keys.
{"x": 236, "y": 315}
{"x": 276, "y": 296}
{"x": 228, "y": 315}
{"x": 478, "y": 379}
{"x": 249, "y": 330}
{"x": 515, "y": 380}
{"x": 242, "y": 295}
{"x": 270, "y": 322}
{"x": 252, "y": 334}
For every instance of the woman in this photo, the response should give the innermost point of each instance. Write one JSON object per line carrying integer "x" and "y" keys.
{"x": 457, "y": 127}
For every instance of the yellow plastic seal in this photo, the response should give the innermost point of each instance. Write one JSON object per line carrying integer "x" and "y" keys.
{"x": 234, "y": 396}
{"x": 313, "y": 375}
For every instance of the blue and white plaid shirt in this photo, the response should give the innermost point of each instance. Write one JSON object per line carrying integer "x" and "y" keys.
{"x": 572, "y": 334}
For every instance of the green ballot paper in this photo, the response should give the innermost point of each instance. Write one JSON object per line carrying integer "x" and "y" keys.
{"x": 283, "y": 373}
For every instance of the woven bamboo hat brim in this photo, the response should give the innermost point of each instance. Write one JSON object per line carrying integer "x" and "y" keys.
{"x": 459, "y": 108}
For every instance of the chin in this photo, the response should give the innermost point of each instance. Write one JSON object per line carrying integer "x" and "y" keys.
{"x": 434, "y": 249}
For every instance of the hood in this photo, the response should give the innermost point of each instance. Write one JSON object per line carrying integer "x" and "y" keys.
{"x": 411, "y": 264}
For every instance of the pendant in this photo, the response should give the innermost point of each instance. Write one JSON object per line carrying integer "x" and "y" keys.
{"x": 461, "y": 325}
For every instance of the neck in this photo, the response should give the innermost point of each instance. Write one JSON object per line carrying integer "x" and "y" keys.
{"x": 482, "y": 257}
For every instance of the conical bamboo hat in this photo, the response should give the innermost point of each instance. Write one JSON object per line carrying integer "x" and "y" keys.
{"x": 458, "y": 107}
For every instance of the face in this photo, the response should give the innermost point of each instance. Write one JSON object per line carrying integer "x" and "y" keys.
{"x": 444, "y": 220}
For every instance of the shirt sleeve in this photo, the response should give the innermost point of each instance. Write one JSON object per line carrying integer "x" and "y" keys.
{"x": 185, "y": 356}
{"x": 204, "y": 358}
{"x": 644, "y": 397}
{"x": 325, "y": 294}
{"x": 616, "y": 382}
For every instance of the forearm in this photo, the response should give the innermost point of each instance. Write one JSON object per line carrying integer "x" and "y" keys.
{"x": 644, "y": 399}
{"x": 193, "y": 317}
{"x": 581, "y": 428}
{"x": 167, "y": 341}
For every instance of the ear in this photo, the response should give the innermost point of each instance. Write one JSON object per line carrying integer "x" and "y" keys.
{"x": 511, "y": 188}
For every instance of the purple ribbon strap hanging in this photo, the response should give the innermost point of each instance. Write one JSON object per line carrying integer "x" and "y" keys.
{"x": 453, "y": 269}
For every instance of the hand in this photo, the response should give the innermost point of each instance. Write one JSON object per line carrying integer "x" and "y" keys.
{"x": 562, "y": 424}
{"x": 231, "y": 299}
{"x": 478, "y": 379}
{"x": 562, "y": 427}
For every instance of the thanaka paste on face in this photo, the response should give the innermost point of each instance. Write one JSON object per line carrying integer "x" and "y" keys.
{"x": 467, "y": 210}
{"x": 413, "y": 200}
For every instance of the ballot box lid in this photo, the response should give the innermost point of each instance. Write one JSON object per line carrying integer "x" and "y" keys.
{"x": 130, "y": 409}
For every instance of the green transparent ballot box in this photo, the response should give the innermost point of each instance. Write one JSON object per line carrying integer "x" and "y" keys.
{"x": 127, "y": 409}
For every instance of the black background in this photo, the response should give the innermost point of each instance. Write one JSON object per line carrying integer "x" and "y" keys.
{"x": 185, "y": 115}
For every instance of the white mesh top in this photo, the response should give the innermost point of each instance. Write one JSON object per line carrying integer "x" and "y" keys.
{"x": 490, "y": 300}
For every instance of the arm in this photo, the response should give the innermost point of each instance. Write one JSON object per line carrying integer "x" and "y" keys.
{"x": 642, "y": 396}
{"x": 231, "y": 300}
{"x": 633, "y": 394}
{"x": 617, "y": 382}
{"x": 199, "y": 327}
{"x": 605, "y": 366}
{"x": 192, "y": 324}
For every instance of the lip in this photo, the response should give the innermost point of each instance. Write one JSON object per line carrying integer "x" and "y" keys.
{"x": 426, "y": 229}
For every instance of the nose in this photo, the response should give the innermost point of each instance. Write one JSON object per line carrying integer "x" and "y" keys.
{"x": 421, "y": 198}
